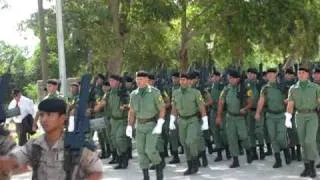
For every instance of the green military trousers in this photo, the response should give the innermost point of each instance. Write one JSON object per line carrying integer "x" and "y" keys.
{"x": 277, "y": 131}
{"x": 219, "y": 135}
{"x": 293, "y": 134}
{"x": 147, "y": 145}
{"x": 307, "y": 128}
{"x": 118, "y": 135}
{"x": 237, "y": 131}
{"x": 255, "y": 129}
{"x": 189, "y": 133}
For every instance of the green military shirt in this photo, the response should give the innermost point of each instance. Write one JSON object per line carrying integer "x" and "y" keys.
{"x": 54, "y": 95}
{"x": 147, "y": 104}
{"x": 273, "y": 96}
{"x": 230, "y": 96}
{"x": 187, "y": 101}
{"x": 306, "y": 95}
{"x": 73, "y": 99}
{"x": 253, "y": 85}
{"x": 114, "y": 103}
{"x": 98, "y": 97}
{"x": 216, "y": 89}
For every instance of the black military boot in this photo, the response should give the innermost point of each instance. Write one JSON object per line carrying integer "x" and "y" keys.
{"x": 298, "y": 152}
{"x": 123, "y": 161}
{"x": 228, "y": 155}
{"x": 175, "y": 158}
{"x": 235, "y": 162}
{"x": 306, "y": 171}
{"x": 269, "y": 150}
{"x": 219, "y": 157}
{"x": 312, "y": 170}
{"x": 204, "y": 158}
{"x": 287, "y": 157}
{"x": 278, "y": 162}
{"x": 159, "y": 172}
{"x": 209, "y": 146}
{"x": 181, "y": 150}
{"x": 188, "y": 171}
{"x": 163, "y": 160}
{"x": 261, "y": 152}
{"x": 254, "y": 153}
{"x": 145, "y": 174}
{"x": 318, "y": 165}
{"x": 120, "y": 165}
{"x": 249, "y": 156}
{"x": 293, "y": 153}
{"x": 130, "y": 151}
{"x": 194, "y": 166}
{"x": 115, "y": 158}
{"x": 166, "y": 154}
{"x": 241, "y": 149}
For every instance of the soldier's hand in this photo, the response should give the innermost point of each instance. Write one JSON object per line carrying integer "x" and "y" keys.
{"x": 257, "y": 116}
{"x": 288, "y": 122}
{"x": 243, "y": 111}
{"x": 218, "y": 121}
{"x": 205, "y": 124}
{"x": 158, "y": 128}
{"x": 34, "y": 126}
{"x": 129, "y": 131}
{"x": 7, "y": 164}
{"x": 172, "y": 126}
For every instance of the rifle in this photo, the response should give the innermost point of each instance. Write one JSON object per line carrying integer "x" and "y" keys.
{"x": 76, "y": 140}
{"x": 242, "y": 89}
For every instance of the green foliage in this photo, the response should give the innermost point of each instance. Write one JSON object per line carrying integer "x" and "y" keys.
{"x": 31, "y": 91}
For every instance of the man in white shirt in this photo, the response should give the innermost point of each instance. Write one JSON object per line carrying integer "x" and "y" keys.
{"x": 26, "y": 107}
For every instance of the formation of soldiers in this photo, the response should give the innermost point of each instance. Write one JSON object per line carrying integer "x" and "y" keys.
{"x": 248, "y": 115}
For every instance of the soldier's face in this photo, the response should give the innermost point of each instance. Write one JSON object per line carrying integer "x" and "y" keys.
{"x": 74, "y": 89}
{"x": 142, "y": 82}
{"x": 105, "y": 88}
{"x": 51, "y": 88}
{"x": 251, "y": 76}
{"x": 303, "y": 75}
{"x": 151, "y": 82}
{"x": 51, "y": 121}
{"x": 215, "y": 78}
{"x": 184, "y": 82}
{"x": 233, "y": 81}
{"x": 114, "y": 83}
{"x": 271, "y": 76}
{"x": 175, "y": 80}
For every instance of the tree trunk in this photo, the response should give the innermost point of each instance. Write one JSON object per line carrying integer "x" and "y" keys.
{"x": 43, "y": 43}
{"x": 183, "y": 52}
{"x": 115, "y": 60}
{"x": 237, "y": 54}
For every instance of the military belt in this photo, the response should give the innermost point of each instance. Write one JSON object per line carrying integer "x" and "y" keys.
{"x": 117, "y": 118}
{"x": 234, "y": 114}
{"x": 253, "y": 109}
{"x": 274, "y": 112}
{"x": 190, "y": 116}
{"x": 306, "y": 111}
{"x": 145, "y": 120}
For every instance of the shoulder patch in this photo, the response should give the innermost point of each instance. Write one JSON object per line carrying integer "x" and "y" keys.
{"x": 249, "y": 93}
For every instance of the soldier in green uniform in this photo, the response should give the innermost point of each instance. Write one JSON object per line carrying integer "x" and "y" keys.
{"x": 205, "y": 140}
{"x": 174, "y": 131}
{"x": 146, "y": 106}
{"x": 97, "y": 97}
{"x": 304, "y": 96}
{"x": 219, "y": 135}
{"x": 255, "y": 128}
{"x": 273, "y": 98}
{"x": 316, "y": 79}
{"x": 237, "y": 106}
{"x": 295, "y": 147}
{"x": 116, "y": 103}
{"x": 163, "y": 140}
{"x": 187, "y": 105}
{"x": 73, "y": 98}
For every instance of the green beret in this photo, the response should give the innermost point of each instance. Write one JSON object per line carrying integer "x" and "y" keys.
{"x": 142, "y": 74}
{"x": 175, "y": 74}
{"x": 289, "y": 71}
{"x": 75, "y": 84}
{"x": 184, "y": 75}
{"x": 272, "y": 70}
{"x": 316, "y": 70}
{"x": 217, "y": 73}
{"x": 252, "y": 70}
{"x": 151, "y": 76}
{"x": 304, "y": 67}
{"x": 53, "y": 105}
{"x": 52, "y": 81}
{"x": 234, "y": 74}
{"x": 115, "y": 77}
{"x": 128, "y": 79}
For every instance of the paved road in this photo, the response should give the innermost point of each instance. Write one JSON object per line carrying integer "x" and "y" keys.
{"x": 259, "y": 170}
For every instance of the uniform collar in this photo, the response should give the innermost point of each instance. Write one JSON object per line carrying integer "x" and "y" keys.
{"x": 41, "y": 141}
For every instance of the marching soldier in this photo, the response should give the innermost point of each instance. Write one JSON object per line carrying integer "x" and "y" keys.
{"x": 304, "y": 96}
{"x": 116, "y": 103}
{"x": 238, "y": 106}
{"x": 73, "y": 98}
{"x": 255, "y": 128}
{"x": 218, "y": 133}
{"x": 187, "y": 104}
{"x": 174, "y": 132}
{"x": 46, "y": 153}
{"x": 316, "y": 79}
{"x": 273, "y": 98}
{"x": 148, "y": 108}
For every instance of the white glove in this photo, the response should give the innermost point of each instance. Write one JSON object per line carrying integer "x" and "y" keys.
{"x": 288, "y": 122}
{"x": 129, "y": 131}
{"x": 205, "y": 125}
{"x": 158, "y": 128}
{"x": 172, "y": 126}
